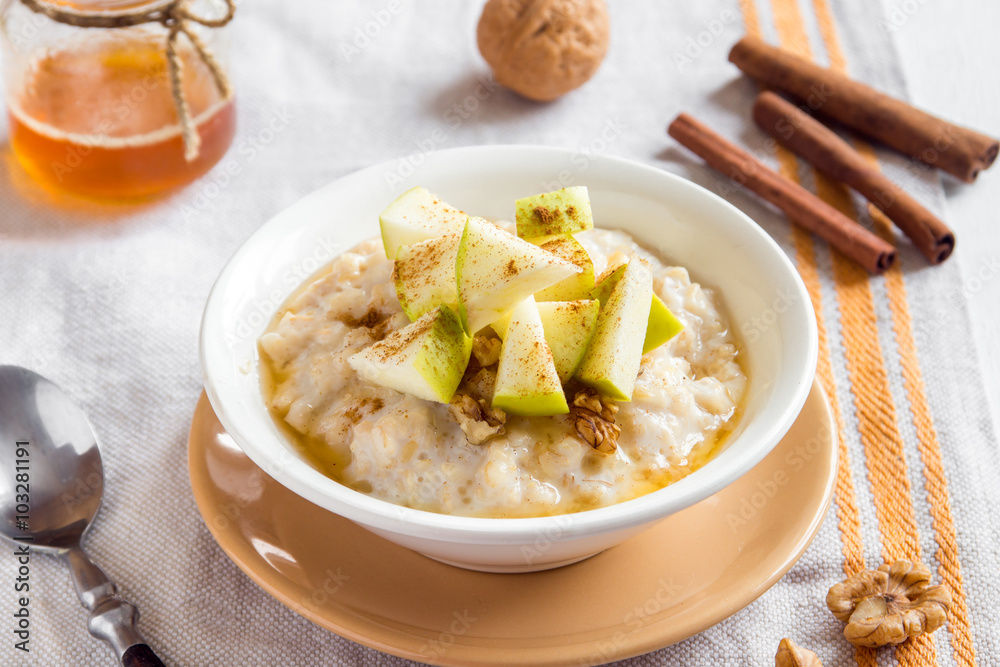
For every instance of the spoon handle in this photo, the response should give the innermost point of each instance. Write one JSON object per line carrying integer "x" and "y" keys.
{"x": 112, "y": 619}
{"x": 140, "y": 655}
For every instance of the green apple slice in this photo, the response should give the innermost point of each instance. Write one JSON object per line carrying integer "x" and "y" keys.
{"x": 574, "y": 287}
{"x": 527, "y": 381}
{"x": 500, "y": 324}
{"x": 561, "y": 212}
{"x": 496, "y": 271}
{"x": 424, "y": 275}
{"x": 426, "y": 358}
{"x": 662, "y": 324}
{"x": 607, "y": 282}
{"x": 569, "y": 327}
{"x": 416, "y": 216}
{"x": 612, "y": 361}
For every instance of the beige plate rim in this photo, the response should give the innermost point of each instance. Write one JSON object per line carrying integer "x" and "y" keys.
{"x": 802, "y": 469}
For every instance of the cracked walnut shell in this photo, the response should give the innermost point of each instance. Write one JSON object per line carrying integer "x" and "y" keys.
{"x": 890, "y": 604}
{"x": 791, "y": 654}
{"x": 543, "y": 48}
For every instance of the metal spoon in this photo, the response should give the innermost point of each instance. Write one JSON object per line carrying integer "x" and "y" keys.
{"x": 51, "y": 483}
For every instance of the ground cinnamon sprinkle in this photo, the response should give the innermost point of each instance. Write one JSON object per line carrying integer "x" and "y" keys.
{"x": 352, "y": 414}
{"x": 399, "y": 341}
{"x": 369, "y": 320}
{"x": 380, "y": 330}
{"x": 544, "y": 215}
{"x": 376, "y": 322}
{"x": 422, "y": 259}
{"x": 363, "y": 408}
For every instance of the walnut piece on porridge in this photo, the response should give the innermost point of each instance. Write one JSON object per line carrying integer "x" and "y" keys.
{"x": 486, "y": 349}
{"x": 476, "y": 418}
{"x": 594, "y": 418}
{"x": 890, "y": 604}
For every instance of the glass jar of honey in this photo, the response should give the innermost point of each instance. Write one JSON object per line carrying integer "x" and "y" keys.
{"x": 99, "y": 106}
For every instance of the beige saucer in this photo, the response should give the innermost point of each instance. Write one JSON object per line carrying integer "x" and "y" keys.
{"x": 686, "y": 574}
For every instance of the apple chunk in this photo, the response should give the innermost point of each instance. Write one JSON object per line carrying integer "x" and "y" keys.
{"x": 561, "y": 212}
{"x": 416, "y": 216}
{"x": 527, "y": 382}
{"x": 568, "y": 327}
{"x": 574, "y": 287}
{"x": 607, "y": 281}
{"x": 424, "y": 275}
{"x": 662, "y": 324}
{"x": 496, "y": 271}
{"x": 612, "y": 361}
{"x": 426, "y": 358}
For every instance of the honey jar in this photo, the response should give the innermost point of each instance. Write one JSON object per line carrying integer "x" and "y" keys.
{"x": 117, "y": 99}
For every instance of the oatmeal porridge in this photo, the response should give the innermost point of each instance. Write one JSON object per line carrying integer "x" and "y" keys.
{"x": 418, "y": 453}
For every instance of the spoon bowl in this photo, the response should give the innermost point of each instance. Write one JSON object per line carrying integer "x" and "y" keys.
{"x": 63, "y": 462}
{"x": 51, "y": 486}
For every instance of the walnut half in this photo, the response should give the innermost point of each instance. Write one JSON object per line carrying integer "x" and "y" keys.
{"x": 486, "y": 350}
{"x": 476, "y": 418}
{"x": 594, "y": 418}
{"x": 791, "y": 654}
{"x": 890, "y": 604}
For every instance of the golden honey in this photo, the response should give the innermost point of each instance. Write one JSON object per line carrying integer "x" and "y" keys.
{"x": 97, "y": 118}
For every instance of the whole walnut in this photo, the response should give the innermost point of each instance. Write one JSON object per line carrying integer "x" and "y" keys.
{"x": 543, "y": 48}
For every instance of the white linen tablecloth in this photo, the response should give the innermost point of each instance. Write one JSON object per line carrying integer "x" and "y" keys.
{"x": 106, "y": 301}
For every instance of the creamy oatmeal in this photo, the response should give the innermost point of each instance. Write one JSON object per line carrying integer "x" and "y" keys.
{"x": 413, "y": 452}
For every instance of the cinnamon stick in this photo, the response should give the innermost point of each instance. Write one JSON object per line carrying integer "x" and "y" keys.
{"x": 957, "y": 150}
{"x": 822, "y": 148}
{"x": 801, "y": 206}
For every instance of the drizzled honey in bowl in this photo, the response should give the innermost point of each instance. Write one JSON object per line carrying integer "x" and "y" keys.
{"x": 97, "y": 118}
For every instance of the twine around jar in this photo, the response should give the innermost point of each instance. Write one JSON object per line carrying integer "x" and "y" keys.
{"x": 175, "y": 16}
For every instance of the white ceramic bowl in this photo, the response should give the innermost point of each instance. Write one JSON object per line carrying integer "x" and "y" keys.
{"x": 723, "y": 248}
